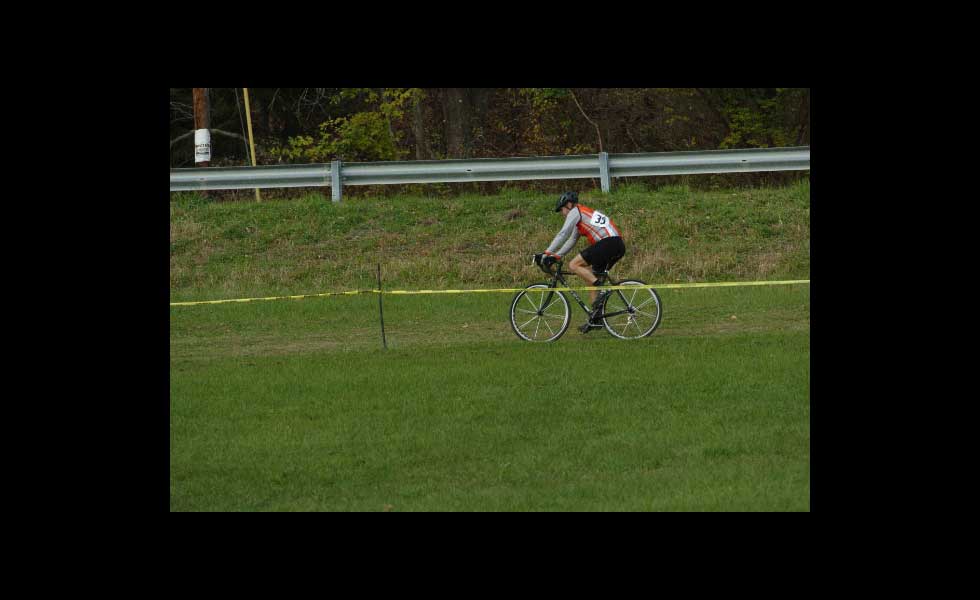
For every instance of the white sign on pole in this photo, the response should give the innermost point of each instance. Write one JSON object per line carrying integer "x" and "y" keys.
{"x": 202, "y": 145}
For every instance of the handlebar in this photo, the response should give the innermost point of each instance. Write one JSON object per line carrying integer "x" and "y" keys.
{"x": 547, "y": 270}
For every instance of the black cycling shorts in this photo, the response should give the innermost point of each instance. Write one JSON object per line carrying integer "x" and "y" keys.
{"x": 605, "y": 253}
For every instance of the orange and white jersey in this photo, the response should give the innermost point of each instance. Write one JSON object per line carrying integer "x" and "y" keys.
{"x": 595, "y": 225}
{"x": 582, "y": 220}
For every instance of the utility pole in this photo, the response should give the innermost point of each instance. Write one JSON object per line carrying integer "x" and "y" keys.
{"x": 202, "y": 127}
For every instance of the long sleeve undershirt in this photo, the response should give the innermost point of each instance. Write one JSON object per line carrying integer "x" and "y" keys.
{"x": 568, "y": 234}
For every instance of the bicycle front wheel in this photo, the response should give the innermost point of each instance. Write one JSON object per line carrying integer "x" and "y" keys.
{"x": 632, "y": 314}
{"x": 539, "y": 313}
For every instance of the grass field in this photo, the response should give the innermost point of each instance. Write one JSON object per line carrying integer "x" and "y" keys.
{"x": 674, "y": 234}
{"x": 294, "y": 405}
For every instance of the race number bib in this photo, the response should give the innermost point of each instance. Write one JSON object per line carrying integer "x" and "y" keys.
{"x": 599, "y": 219}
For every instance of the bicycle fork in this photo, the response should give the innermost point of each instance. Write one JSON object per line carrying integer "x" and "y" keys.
{"x": 546, "y": 301}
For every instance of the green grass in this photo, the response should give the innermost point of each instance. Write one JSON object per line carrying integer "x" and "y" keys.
{"x": 294, "y": 405}
{"x": 304, "y": 245}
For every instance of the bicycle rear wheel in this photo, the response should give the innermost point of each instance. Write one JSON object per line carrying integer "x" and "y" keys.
{"x": 633, "y": 314}
{"x": 539, "y": 313}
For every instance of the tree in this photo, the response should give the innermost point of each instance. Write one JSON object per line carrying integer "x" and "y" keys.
{"x": 457, "y": 110}
{"x": 354, "y": 124}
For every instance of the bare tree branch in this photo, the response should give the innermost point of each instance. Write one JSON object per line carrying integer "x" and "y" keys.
{"x": 180, "y": 137}
{"x": 630, "y": 134}
{"x": 597, "y": 132}
{"x": 229, "y": 134}
{"x": 218, "y": 131}
{"x": 181, "y": 108}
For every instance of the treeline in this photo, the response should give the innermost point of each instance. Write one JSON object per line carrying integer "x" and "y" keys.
{"x": 302, "y": 125}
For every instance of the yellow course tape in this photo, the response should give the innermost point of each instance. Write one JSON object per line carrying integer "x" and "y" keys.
{"x": 351, "y": 293}
{"x": 477, "y": 291}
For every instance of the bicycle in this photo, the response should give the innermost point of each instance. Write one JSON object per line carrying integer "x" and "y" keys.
{"x": 541, "y": 312}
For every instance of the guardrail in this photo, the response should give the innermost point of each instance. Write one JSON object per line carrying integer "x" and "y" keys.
{"x": 603, "y": 166}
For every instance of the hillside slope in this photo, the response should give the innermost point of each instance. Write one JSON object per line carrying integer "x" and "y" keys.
{"x": 309, "y": 245}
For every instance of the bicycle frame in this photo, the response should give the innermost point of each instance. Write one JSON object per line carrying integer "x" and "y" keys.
{"x": 558, "y": 276}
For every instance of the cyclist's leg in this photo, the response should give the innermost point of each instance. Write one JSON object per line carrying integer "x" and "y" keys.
{"x": 581, "y": 267}
{"x": 601, "y": 257}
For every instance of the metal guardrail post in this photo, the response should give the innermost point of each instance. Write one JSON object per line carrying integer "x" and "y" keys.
{"x": 604, "y": 172}
{"x": 336, "y": 186}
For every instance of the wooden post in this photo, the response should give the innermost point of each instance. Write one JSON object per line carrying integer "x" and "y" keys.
{"x": 202, "y": 128}
{"x": 251, "y": 141}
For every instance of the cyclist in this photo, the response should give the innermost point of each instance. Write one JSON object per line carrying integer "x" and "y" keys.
{"x": 605, "y": 249}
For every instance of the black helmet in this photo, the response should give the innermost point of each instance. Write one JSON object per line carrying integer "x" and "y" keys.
{"x": 565, "y": 199}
